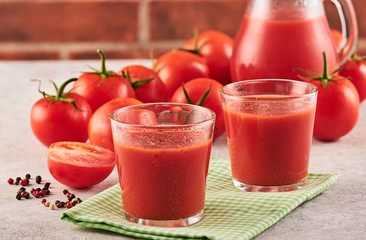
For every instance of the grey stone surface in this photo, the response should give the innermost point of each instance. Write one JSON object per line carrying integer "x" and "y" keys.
{"x": 338, "y": 213}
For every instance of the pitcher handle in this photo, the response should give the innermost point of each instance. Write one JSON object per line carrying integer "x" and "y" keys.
{"x": 349, "y": 26}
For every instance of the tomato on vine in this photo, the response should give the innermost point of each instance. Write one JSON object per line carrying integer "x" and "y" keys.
{"x": 203, "y": 92}
{"x": 146, "y": 83}
{"x": 177, "y": 67}
{"x": 337, "y": 106}
{"x": 99, "y": 128}
{"x": 215, "y": 48}
{"x": 355, "y": 71}
{"x": 99, "y": 87}
{"x": 60, "y": 117}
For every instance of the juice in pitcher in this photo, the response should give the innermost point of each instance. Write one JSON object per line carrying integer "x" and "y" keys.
{"x": 277, "y": 37}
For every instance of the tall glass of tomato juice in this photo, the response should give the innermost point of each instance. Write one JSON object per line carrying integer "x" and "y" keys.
{"x": 163, "y": 152}
{"x": 269, "y": 126}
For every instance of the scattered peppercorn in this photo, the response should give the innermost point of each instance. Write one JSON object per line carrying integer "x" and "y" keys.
{"x": 38, "y": 189}
{"x": 52, "y": 206}
{"x": 47, "y": 192}
{"x": 42, "y": 193}
{"x": 44, "y": 200}
{"x": 22, "y": 189}
{"x": 65, "y": 191}
{"x": 23, "y": 182}
{"x": 36, "y": 194}
{"x": 38, "y": 179}
{"x": 47, "y": 204}
{"x": 71, "y": 197}
{"x": 28, "y": 176}
{"x": 32, "y": 190}
{"x": 25, "y": 195}
{"x": 69, "y": 205}
{"x": 18, "y": 196}
{"x": 59, "y": 205}
{"x": 10, "y": 181}
{"x": 47, "y": 185}
{"x": 18, "y": 179}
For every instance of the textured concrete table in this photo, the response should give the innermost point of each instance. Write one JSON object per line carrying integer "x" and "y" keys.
{"x": 338, "y": 213}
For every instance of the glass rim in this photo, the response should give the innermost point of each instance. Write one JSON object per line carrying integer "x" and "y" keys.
{"x": 313, "y": 89}
{"x": 211, "y": 117}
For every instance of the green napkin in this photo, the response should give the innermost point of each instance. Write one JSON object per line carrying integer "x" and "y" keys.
{"x": 229, "y": 213}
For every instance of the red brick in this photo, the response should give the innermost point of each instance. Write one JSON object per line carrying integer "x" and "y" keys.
{"x": 39, "y": 21}
{"x": 29, "y": 55}
{"x": 133, "y": 53}
{"x": 177, "y": 19}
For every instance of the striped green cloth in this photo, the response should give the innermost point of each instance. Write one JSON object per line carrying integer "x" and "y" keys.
{"x": 229, "y": 213}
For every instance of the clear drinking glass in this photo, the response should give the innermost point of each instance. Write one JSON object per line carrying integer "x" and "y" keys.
{"x": 269, "y": 126}
{"x": 163, "y": 152}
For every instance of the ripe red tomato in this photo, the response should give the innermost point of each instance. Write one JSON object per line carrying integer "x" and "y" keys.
{"x": 79, "y": 165}
{"x": 99, "y": 128}
{"x": 146, "y": 83}
{"x": 63, "y": 117}
{"x": 337, "y": 109}
{"x": 177, "y": 67}
{"x": 195, "y": 89}
{"x": 355, "y": 70}
{"x": 216, "y": 48}
{"x": 102, "y": 86}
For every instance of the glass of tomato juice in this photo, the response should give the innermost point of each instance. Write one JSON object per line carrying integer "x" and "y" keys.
{"x": 269, "y": 126}
{"x": 163, "y": 152}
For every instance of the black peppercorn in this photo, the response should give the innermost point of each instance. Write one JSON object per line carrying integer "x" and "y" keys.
{"x": 25, "y": 194}
{"x": 47, "y": 185}
{"x": 47, "y": 192}
{"x": 18, "y": 196}
{"x": 72, "y": 196}
{"x": 28, "y": 176}
{"x": 38, "y": 179}
{"x": 65, "y": 191}
{"x": 38, "y": 189}
{"x": 22, "y": 189}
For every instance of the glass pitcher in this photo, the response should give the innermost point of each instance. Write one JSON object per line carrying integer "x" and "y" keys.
{"x": 278, "y": 36}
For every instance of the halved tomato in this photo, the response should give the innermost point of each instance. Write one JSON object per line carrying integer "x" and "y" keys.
{"x": 79, "y": 165}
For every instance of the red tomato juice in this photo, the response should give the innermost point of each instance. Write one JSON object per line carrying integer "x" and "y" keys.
{"x": 270, "y": 148}
{"x": 267, "y": 48}
{"x": 163, "y": 183}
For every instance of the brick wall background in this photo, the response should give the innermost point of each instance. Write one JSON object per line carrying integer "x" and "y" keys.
{"x": 74, "y": 29}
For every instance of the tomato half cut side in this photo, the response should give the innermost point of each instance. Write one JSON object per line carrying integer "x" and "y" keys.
{"x": 79, "y": 165}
